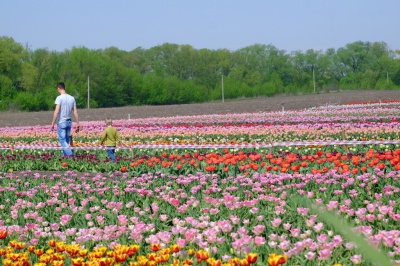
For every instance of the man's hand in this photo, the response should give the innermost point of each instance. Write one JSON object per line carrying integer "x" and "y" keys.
{"x": 78, "y": 128}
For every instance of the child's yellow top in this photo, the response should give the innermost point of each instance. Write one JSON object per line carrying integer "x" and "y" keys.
{"x": 110, "y": 136}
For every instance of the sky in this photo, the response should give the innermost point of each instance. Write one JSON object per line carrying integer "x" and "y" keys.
{"x": 290, "y": 25}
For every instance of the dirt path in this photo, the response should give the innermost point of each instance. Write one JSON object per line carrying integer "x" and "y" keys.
{"x": 9, "y": 119}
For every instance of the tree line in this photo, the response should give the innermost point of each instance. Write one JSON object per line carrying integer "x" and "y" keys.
{"x": 177, "y": 74}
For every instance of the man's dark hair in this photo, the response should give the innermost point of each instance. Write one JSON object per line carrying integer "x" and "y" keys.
{"x": 61, "y": 85}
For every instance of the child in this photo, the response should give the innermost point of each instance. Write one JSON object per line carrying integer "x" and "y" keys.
{"x": 110, "y": 136}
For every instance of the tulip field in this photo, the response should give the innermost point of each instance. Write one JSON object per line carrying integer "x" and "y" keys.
{"x": 267, "y": 188}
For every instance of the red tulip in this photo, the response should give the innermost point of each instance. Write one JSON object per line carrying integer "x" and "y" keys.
{"x": 3, "y": 234}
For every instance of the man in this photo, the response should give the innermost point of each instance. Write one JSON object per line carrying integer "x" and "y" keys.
{"x": 65, "y": 105}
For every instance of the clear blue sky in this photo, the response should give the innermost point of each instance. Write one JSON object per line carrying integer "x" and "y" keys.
{"x": 289, "y": 25}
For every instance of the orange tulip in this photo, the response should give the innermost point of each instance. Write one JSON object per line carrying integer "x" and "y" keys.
{"x": 19, "y": 245}
{"x": 77, "y": 261}
{"x": 101, "y": 250}
{"x": 50, "y": 251}
{"x": 111, "y": 253}
{"x": 39, "y": 252}
{"x": 252, "y": 258}
{"x": 175, "y": 248}
{"x": 83, "y": 252}
{"x": 191, "y": 252}
{"x": 60, "y": 246}
{"x": 52, "y": 243}
{"x": 213, "y": 262}
{"x": 188, "y": 262}
{"x": 165, "y": 257}
{"x": 121, "y": 249}
{"x": 202, "y": 255}
{"x": 7, "y": 262}
{"x": 45, "y": 258}
{"x": 74, "y": 249}
{"x": 12, "y": 243}
{"x": 57, "y": 263}
{"x": 234, "y": 261}
{"x": 151, "y": 263}
{"x": 244, "y": 262}
{"x": 13, "y": 256}
{"x": 121, "y": 257}
{"x": 155, "y": 247}
{"x": 275, "y": 259}
{"x": 152, "y": 256}
{"x": 59, "y": 256}
{"x": 133, "y": 249}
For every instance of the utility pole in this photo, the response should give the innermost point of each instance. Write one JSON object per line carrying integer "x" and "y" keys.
{"x": 222, "y": 82}
{"x": 88, "y": 93}
{"x": 313, "y": 75}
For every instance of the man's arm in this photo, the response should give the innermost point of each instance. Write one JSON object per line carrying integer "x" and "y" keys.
{"x": 76, "y": 115}
{"x": 78, "y": 127}
{"x": 55, "y": 115}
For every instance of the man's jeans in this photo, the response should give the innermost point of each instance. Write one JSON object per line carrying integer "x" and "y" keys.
{"x": 64, "y": 131}
{"x": 111, "y": 152}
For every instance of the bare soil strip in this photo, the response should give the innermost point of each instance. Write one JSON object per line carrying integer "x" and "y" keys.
{"x": 265, "y": 104}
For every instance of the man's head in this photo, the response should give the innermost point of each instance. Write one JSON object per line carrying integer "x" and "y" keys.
{"x": 108, "y": 122}
{"x": 60, "y": 86}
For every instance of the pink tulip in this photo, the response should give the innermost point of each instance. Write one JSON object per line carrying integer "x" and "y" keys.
{"x": 258, "y": 229}
{"x": 337, "y": 240}
{"x": 324, "y": 254}
{"x": 332, "y": 205}
{"x": 370, "y": 217}
{"x": 310, "y": 255}
{"x": 302, "y": 211}
{"x": 276, "y": 222}
{"x": 295, "y": 232}
{"x": 259, "y": 240}
{"x": 318, "y": 227}
{"x": 287, "y": 226}
{"x": 356, "y": 259}
{"x": 225, "y": 226}
{"x": 322, "y": 238}
{"x": 122, "y": 219}
{"x": 284, "y": 245}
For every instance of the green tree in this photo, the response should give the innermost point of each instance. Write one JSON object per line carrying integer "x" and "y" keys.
{"x": 29, "y": 77}
{"x": 12, "y": 57}
{"x": 44, "y": 63}
{"x": 299, "y": 63}
{"x": 172, "y": 73}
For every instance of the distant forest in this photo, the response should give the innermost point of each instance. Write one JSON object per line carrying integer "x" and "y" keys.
{"x": 177, "y": 74}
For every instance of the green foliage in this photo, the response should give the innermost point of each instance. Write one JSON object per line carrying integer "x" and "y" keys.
{"x": 268, "y": 89}
{"x": 177, "y": 74}
{"x": 31, "y": 102}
